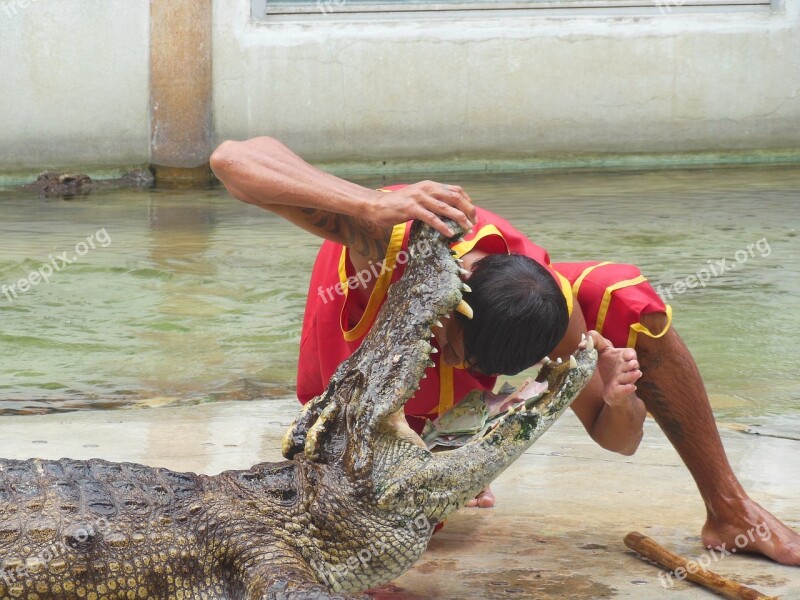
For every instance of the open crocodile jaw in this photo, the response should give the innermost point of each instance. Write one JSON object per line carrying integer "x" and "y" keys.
{"x": 355, "y": 501}
{"x": 352, "y": 428}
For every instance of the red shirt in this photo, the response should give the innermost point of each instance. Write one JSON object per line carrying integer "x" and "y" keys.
{"x": 335, "y": 322}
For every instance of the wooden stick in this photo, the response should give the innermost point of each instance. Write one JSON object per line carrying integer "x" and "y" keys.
{"x": 669, "y": 560}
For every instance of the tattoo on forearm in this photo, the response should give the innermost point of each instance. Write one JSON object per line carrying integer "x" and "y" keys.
{"x": 360, "y": 235}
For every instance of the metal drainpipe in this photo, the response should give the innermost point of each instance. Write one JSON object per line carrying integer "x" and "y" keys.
{"x": 181, "y": 129}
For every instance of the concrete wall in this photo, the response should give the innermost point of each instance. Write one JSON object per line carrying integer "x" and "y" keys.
{"x": 73, "y": 83}
{"x": 510, "y": 86}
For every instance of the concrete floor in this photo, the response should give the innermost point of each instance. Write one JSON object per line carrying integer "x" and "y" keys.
{"x": 562, "y": 512}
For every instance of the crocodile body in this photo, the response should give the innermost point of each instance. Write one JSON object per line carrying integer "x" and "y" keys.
{"x": 62, "y": 185}
{"x": 351, "y": 508}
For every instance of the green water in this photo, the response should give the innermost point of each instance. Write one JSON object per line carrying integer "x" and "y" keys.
{"x": 196, "y": 297}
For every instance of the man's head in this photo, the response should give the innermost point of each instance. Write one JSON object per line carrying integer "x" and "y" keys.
{"x": 520, "y": 314}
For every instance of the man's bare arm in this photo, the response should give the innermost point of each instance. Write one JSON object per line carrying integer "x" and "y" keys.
{"x": 608, "y": 407}
{"x": 264, "y": 172}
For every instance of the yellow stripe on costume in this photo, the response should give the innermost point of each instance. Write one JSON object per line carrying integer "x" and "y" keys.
{"x": 577, "y": 285}
{"x": 464, "y": 247}
{"x": 381, "y": 285}
{"x": 446, "y": 388}
{"x": 601, "y": 315}
{"x": 566, "y": 290}
{"x": 638, "y": 328}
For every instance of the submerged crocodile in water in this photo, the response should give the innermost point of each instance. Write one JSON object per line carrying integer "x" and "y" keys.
{"x": 75, "y": 185}
{"x": 350, "y": 509}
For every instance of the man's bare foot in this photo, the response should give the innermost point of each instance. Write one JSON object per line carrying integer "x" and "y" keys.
{"x": 753, "y": 529}
{"x": 618, "y": 368}
{"x": 485, "y": 499}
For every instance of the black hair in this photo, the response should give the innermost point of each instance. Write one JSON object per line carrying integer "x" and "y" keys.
{"x": 520, "y": 314}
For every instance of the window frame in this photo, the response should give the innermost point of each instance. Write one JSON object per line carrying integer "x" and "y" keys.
{"x": 263, "y": 10}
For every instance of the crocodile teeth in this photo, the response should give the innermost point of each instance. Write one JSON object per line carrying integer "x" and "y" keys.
{"x": 545, "y": 360}
{"x": 438, "y": 324}
{"x": 465, "y": 287}
{"x": 447, "y": 315}
{"x": 435, "y": 351}
{"x": 559, "y": 361}
{"x": 465, "y": 309}
{"x": 463, "y": 271}
{"x": 589, "y": 343}
{"x": 460, "y": 261}
{"x": 573, "y": 364}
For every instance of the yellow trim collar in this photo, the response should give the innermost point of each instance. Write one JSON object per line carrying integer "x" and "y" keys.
{"x": 381, "y": 285}
{"x": 466, "y": 246}
{"x": 566, "y": 290}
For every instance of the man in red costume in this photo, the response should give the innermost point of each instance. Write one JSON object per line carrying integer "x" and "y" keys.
{"x": 523, "y": 308}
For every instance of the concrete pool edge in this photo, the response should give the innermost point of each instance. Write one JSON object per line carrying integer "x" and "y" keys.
{"x": 555, "y": 529}
{"x": 564, "y": 162}
{"x": 478, "y": 165}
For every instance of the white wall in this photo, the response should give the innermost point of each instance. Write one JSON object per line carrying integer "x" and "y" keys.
{"x": 510, "y": 86}
{"x": 73, "y": 83}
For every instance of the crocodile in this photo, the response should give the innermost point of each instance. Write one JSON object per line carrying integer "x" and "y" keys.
{"x": 352, "y": 506}
{"x": 62, "y": 185}
{"x": 70, "y": 186}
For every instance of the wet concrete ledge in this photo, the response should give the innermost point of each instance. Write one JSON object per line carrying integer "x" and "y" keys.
{"x": 562, "y": 512}
{"x": 424, "y": 167}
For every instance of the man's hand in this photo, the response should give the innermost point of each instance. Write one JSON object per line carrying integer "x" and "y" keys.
{"x": 264, "y": 172}
{"x": 619, "y": 370}
{"x": 427, "y": 201}
{"x": 608, "y": 406}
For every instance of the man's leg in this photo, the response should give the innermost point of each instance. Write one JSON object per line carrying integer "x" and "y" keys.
{"x": 673, "y": 391}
